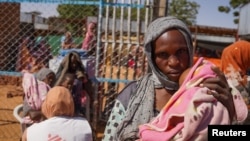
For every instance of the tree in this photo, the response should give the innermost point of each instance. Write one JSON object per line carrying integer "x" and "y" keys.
{"x": 75, "y": 14}
{"x": 184, "y": 10}
{"x": 234, "y": 5}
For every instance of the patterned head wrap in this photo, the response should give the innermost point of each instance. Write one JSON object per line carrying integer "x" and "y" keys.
{"x": 58, "y": 102}
{"x": 156, "y": 29}
{"x": 235, "y": 61}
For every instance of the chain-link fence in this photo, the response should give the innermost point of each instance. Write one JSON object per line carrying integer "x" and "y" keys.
{"x": 108, "y": 33}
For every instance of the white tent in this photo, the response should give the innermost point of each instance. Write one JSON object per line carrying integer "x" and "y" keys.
{"x": 244, "y": 22}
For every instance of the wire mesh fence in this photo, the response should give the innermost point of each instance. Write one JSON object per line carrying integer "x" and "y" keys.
{"x": 109, "y": 33}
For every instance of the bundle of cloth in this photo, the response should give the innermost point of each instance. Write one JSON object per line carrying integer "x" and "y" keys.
{"x": 190, "y": 110}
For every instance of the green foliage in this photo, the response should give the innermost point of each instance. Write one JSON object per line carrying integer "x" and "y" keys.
{"x": 184, "y": 10}
{"x": 76, "y": 11}
{"x": 75, "y": 14}
{"x": 234, "y": 5}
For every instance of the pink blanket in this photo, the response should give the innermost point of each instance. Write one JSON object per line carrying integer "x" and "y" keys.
{"x": 189, "y": 111}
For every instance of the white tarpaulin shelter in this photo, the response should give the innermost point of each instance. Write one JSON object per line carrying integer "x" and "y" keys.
{"x": 244, "y": 22}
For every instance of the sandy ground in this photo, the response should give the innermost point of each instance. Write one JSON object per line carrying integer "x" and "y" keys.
{"x": 10, "y": 129}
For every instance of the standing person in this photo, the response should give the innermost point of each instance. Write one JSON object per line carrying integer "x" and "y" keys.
{"x": 169, "y": 51}
{"x": 235, "y": 62}
{"x": 89, "y": 43}
{"x": 61, "y": 124}
{"x": 190, "y": 110}
{"x": 72, "y": 64}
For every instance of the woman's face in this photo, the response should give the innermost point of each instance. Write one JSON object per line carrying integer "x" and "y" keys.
{"x": 171, "y": 54}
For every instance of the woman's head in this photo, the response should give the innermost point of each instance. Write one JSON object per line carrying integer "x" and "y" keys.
{"x": 46, "y": 75}
{"x": 236, "y": 57}
{"x": 169, "y": 50}
{"x": 58, "y": 102}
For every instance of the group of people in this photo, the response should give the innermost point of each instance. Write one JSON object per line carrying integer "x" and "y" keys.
{"x": 33, "y": 54}
{"x": 89, "y": 41}
{"x": 55, "y": 101}
{"x": 177, "y": 100}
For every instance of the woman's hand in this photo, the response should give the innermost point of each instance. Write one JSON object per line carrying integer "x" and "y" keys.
{"x": 220, "y": 85}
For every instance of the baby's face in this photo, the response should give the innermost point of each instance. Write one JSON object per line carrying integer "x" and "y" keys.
{"x": 68, "y": 83}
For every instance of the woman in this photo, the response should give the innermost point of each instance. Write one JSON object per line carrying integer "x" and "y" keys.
{"x": 190, "y": 110}
{"x": 90, "y": 36}
{"x": 72, "y": 64}
{"x": 61, "y": 124}
{"x": 235, "y": 63}
{"x": 36, "y": 87}
{"x": 169, "y": 51}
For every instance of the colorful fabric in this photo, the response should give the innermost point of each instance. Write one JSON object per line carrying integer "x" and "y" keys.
{"x": 235, "y": 61}
{"x": 58, "y": 102}
{"x": 117, "y": 115}
{"x": 35, "y": 90}
{"x": 190, "y": 110}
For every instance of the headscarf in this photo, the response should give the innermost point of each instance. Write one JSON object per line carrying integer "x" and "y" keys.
{"x": 42, "y": 73}
{"x": 235, "y": 60}
{"x": 156, "y": 29}
{"x": 65, "y": 67}
{"x": 58, "y": 102}
{"x": 141, "y": 105}
{"x": 89, "y": 36}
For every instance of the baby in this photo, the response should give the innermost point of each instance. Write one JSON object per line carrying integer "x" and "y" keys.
{"x": 189, "y": 107}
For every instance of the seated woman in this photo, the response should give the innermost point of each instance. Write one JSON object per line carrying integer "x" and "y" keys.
{"x": 61, "y": 124}
{"x": 190, "y": 110}
{"x": 35, "y": 87}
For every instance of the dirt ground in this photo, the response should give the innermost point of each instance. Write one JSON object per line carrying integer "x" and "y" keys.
{"x": 10, "y": 129}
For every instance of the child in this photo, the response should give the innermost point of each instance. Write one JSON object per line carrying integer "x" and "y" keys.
{"x": 70, "y": 82}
